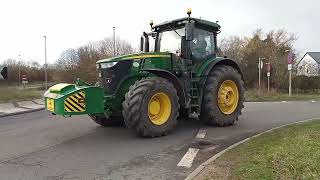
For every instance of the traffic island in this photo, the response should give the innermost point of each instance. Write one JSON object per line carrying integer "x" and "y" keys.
{"x": 291, "y": 152}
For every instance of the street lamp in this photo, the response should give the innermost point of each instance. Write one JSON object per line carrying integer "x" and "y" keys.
{"x": 260, "y": 65}
{"x": 19, "y": 69}
{"x": 114, "y": 41}
{"x": 45, "y": 63}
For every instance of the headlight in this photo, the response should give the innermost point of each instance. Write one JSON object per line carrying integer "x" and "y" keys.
{"x": 108, "y": 65}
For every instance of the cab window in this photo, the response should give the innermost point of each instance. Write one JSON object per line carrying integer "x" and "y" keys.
{"x": 202, "y": 45}
{"x": 170, "y": 41}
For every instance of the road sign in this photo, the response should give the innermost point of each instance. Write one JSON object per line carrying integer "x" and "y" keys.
{"x": 268, "y": 74}
{"x": 290, "y": 57}
{"x": 24, "y": 79}
{"x": 289, "y": 67}
{"x": 3, "y": 72}
{"x": 268, "y": 67}
{"x": 260, "y": 64}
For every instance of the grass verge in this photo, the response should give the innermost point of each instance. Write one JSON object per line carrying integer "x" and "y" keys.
{"x": 287, "y": 153}
{"x": 11, "y": 94}
{"x": 252, "y": 96}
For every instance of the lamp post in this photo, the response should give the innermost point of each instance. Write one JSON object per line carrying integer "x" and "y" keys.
{"x": 45, "y": 63}
{"x": 19, "y": 69}
{"x": 114, "y": 41}
{"x": 260, "y": 65}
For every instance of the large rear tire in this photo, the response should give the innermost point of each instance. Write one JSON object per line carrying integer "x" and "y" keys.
{"x": 112, "y": 121}
{"x": 223, "y": 96}
{"x": 151, "y": 107}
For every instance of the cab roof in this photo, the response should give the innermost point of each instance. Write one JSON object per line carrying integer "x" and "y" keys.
{"x": 200, "y": 23}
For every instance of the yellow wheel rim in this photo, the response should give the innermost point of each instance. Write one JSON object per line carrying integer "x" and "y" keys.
{"x": 159, "y": 108}
{"x": 228, "y": 97}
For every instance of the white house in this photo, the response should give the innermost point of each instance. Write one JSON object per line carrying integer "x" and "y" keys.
{"x": 309, "y": 64}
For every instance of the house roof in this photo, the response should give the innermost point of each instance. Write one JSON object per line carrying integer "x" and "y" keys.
{"x": 314, "y": 55}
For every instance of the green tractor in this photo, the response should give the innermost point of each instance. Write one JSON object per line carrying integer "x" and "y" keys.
{"x": 177, "y": 74}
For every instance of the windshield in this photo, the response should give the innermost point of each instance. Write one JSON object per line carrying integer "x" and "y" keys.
{"x": 170, "y": 41}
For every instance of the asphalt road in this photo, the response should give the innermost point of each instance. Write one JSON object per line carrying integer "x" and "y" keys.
{"x": 41, "y": 146}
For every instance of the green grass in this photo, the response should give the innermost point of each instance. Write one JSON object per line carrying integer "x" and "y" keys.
{"x": 252, "y": 96}
{"x": 287, "y": 153}
{"x": 11, "y": 94}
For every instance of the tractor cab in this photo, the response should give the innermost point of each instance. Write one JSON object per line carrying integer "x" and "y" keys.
{"x": 189, "y": 38}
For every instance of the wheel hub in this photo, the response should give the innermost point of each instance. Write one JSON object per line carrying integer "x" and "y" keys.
{"x": 159, "y": 108}
{"x": 154, "y": 107}
{"x": 228, "y": 97}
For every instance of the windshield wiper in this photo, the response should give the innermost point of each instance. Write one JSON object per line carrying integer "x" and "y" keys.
{"x": 174, "y": 31}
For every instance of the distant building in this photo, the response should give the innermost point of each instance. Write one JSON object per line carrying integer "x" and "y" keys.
{"x": 309, "y": 64}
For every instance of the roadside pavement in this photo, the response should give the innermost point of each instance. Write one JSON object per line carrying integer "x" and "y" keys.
{"x": 7, "y": 109}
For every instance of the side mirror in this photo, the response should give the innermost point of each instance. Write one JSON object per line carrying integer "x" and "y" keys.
{"x": 189, "y": 31}
{"x": 141, "y": 43}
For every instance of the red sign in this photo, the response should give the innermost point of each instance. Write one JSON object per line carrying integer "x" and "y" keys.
{"x": 290, "y": 57}
{"x": 24, "y": 77}
{"x": 268, "y": 66}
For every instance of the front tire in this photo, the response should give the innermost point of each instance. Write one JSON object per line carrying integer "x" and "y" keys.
{"x": 223, "y": 96}
{"x": 151, "y": 107}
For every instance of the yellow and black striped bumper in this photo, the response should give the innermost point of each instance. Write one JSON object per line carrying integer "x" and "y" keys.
{"x": 75, "y": 102}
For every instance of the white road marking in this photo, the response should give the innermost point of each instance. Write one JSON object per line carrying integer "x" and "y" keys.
{"x": 201, "y": 134}
{"x": 283, "y": 101}
{"x": 188, "y": 158}
{"x": 313, "y": 101}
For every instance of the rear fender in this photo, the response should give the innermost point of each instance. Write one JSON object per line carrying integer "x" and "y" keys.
{"x": 221, "y": 61}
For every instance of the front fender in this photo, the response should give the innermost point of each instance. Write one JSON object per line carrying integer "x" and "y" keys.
{"x": 173, "y": 79}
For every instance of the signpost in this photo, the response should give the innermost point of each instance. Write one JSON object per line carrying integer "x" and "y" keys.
{"x": 260, "y": 66}
{"x": 3, "y": 73}
{"x": 290, "y": 60}
{"x": 268, "y": 65}
{"x": 24, "y": 80}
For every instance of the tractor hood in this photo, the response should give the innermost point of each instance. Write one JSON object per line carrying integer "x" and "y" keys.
{"x": 137, "y": 56}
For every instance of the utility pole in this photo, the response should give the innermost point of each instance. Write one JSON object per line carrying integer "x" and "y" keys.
{"x": 260, "y": 65}
{"x": 45, "y": 63}
{"x": 114, "y": 41}
{"x": 19, "y": 69}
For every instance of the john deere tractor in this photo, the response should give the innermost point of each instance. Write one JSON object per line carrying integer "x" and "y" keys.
{"x": 176, "y": 74}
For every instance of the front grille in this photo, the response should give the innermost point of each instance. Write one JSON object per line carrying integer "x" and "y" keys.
{"x": 111, "y": 77}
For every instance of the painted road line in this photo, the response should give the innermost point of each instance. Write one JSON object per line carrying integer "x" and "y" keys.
{"x": 313, "y": 101}
{"x": 201, "y": 134}
{"x": 188, "y": 158}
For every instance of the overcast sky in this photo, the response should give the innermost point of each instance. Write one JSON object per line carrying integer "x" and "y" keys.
{"x": 72, "y": 23}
